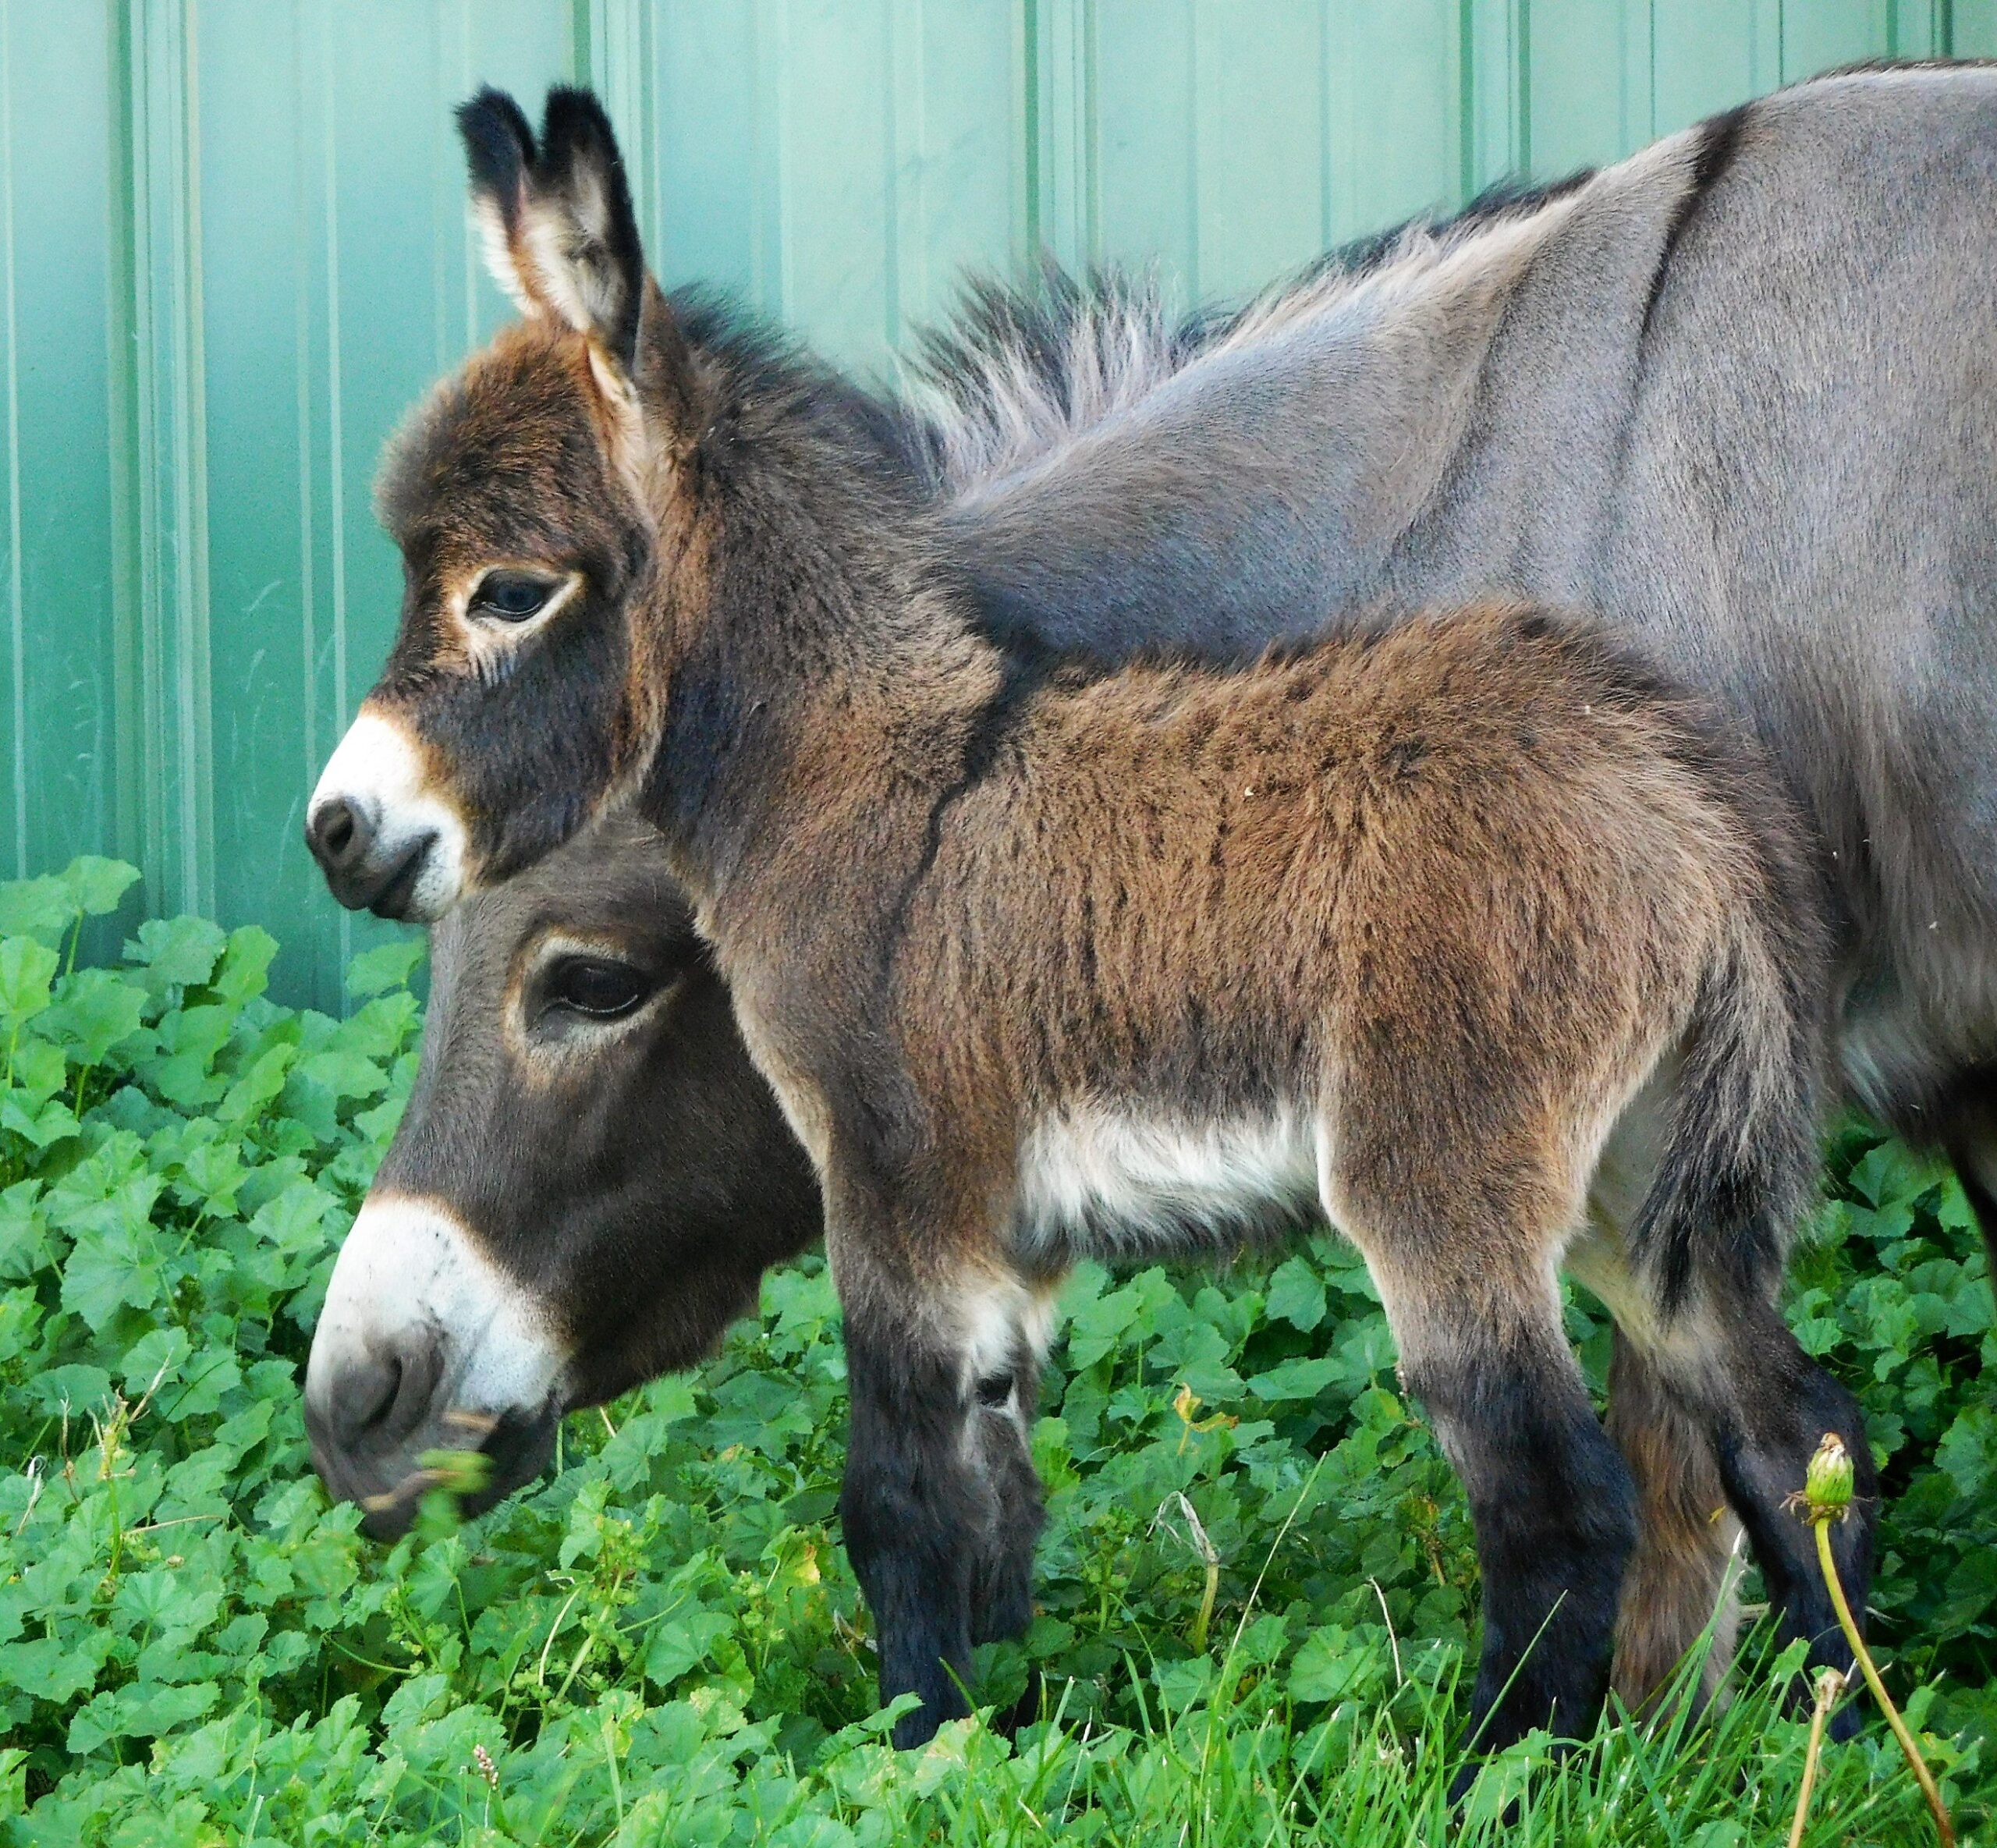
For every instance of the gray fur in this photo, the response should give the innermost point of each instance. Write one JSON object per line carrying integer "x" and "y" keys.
{"x": 1752, "y": 424}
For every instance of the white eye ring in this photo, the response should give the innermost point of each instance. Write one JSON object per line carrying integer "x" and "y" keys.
{"x": 505, "y": 595}
{"x": 492, "y": 633}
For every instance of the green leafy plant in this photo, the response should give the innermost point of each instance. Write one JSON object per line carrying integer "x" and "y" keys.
{"x": 1256, "y": 1587}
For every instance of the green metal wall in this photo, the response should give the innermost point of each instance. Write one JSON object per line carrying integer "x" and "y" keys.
{"x": 233, "y": 249}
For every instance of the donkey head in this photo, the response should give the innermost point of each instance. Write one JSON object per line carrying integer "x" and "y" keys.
{"x": 524, "y": 495}
{"x": 588, "y": 1183}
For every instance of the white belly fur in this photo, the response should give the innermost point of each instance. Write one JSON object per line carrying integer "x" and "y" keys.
{"x": 1120, "y": 1184}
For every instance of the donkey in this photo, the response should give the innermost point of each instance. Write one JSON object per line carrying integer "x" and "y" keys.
{"x": 590, "y": 1176}
{"x": 1045, "y": 961}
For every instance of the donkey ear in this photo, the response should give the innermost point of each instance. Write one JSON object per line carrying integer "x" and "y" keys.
{"x": 560, "y": 235}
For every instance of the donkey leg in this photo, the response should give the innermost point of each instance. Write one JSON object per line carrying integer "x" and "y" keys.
{"x": 940, "y": 1506}
{"x": 1482, "y": 1345}
{"x": 1684, "y": 1576}
{"x": 1770, "y": 1405}
{"x": 1968, "y": 1116}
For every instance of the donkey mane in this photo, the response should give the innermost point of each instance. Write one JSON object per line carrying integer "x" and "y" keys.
{"x": 1021, "y": 371}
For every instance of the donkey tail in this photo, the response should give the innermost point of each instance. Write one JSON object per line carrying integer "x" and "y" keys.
{"x": 1741, "y": 1159}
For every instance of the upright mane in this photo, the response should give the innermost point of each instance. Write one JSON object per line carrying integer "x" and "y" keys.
{"x": 1021, "y": 371}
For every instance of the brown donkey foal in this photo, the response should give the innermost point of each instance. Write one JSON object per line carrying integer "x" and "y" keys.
{"x": 1435, "y": 927}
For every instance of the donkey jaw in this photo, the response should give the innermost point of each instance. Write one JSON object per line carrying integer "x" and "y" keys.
{"x": 387, "y": 842}
{"x": 425, "y": 1345}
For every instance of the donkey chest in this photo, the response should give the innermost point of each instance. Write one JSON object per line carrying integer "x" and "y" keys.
{"x": 1126, "y": 1183}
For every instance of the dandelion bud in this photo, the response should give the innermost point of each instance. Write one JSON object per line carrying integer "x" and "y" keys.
{"x": 1827, "y": 1487}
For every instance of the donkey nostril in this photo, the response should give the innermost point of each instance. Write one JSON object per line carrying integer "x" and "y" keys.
{"x": 381, "y": 1400}
{"x": 339, "y": 834}
{"x": 362, "y": 1398}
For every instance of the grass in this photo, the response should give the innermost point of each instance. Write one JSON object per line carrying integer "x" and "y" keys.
{"x": 1257, "y": 1586}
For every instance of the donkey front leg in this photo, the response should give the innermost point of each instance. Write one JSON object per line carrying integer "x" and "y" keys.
{"x": 941, "y": 1505}
{"x": 1482, "y": 1346}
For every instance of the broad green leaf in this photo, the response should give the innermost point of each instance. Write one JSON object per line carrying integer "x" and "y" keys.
{"x": 188, "y": 1040}
{"x": 52, "y": 1668}
{"x": 245, "y": 965}
{"x": 1893, "y": 1174}
{"x": 25, "y": 1246}
{"x": 41, "y": 908}
{"x": 54, "y": 1122}
{"x": 27, "y": 967}
{"x": 172, "y": 953}
{"x": 116, "y": 1259}
{"x": 1295, "y": 1379}
{"x": 1338, "y": 1664}
{"x": 344, "y": 1074}
{"x": 386, "y": 966}
{"x": 253, "y": 1093}
{"x": 94, "y": 1010}
{"x": 296, "y": 1220}
{"x": 40, "y": 1071}
{"x": 95, "y": 885}
{"x": 1296, "y": 1294}
{"x": 157, "y": 1355}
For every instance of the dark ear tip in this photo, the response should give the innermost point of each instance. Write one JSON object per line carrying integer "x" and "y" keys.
{"x": 498, "y": 139}
{"x": 573, "y": 118}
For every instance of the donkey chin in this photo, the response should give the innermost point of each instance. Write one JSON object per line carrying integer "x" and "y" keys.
{"x": 479, "y": 1368}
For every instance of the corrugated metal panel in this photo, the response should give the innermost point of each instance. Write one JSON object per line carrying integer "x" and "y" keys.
{"x": 233, "y": 249}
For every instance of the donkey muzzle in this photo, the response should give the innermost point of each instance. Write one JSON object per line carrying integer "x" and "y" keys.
{"x": 341, "y": 834}
{"x": 386, "y": 840}
{"x": 424, "y": 1346}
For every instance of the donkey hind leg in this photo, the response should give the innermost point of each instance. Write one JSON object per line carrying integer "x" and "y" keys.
{"x": 1727, "y": 1357}
{"x": 1683, "y": 1586}
{"x": 941, "y": 1507}
{"x": 1477, "y": 1321}
{"x": 1770, "y": 1406}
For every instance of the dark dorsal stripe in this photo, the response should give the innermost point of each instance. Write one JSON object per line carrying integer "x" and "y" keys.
{"x": 1719, "y": 140}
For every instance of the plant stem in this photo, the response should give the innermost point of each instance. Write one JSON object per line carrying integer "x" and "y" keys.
{"x": 1943, "y": 1828}
{"x": 1830, "y": 1684}
{"x": 1206, "y": 1615}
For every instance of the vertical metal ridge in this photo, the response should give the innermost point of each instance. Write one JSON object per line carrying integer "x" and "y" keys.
{"x": 123, "y": 462}
{"x": 1064, "y": 131}
{"x": 194, "y": 680}
{"x": 1024, "y": 156}
{"x": 474, "y": 265}
{"x": 335, "y": 422}
{"x": 1195, "y": 282}
{"x": 301, "y": 292}
{"x": 907, "y": 142}
{"x": 611, "y": 51}
{"x": 170, "y": 505}
{"x": 1328, "y": 169}
{"x": 1466, "y": 98}
{"x": 1523, "y": 66}
{"x": 170, "y": 461}
{"x": 16, "y": 610}
{"x": 773, "y": 257}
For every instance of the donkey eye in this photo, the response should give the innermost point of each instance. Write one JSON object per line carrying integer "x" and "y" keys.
{"x": 595, "y": 986}
{"x": 512, "y": 595}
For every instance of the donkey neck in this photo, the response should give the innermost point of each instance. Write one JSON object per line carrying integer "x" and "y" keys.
{"x": 837, "y": 674}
